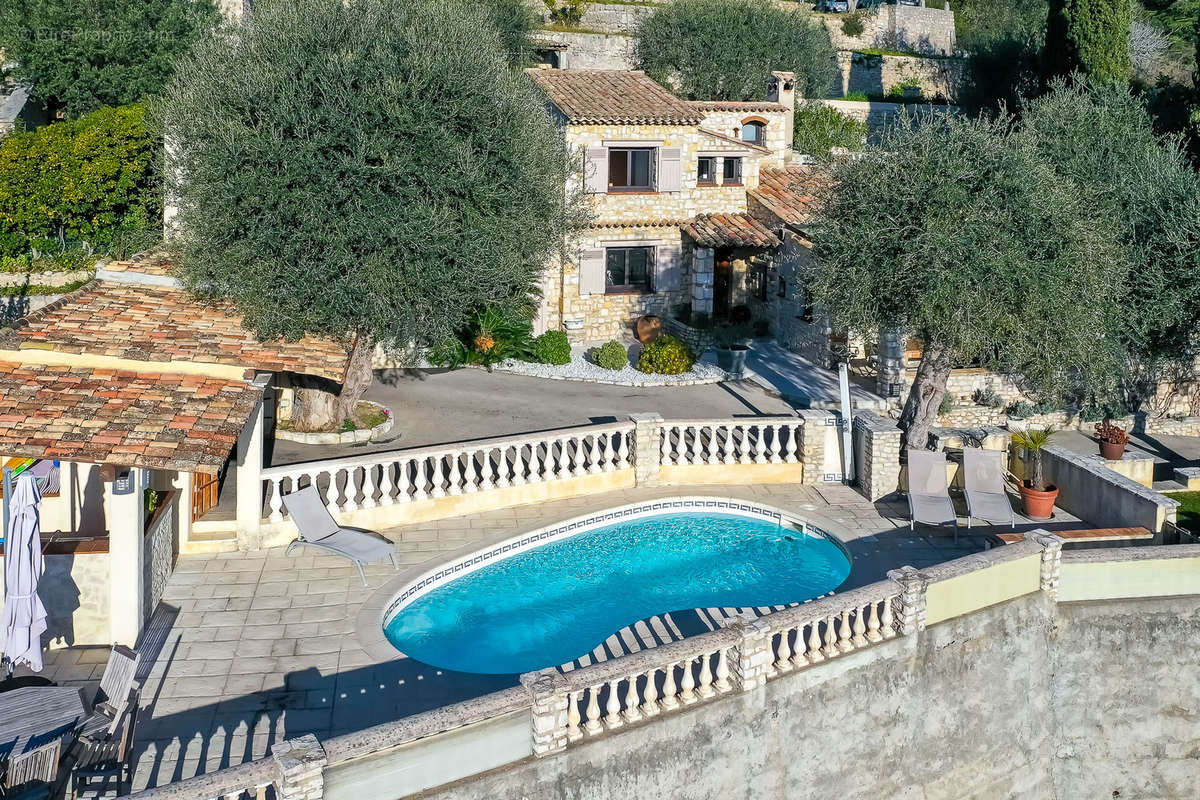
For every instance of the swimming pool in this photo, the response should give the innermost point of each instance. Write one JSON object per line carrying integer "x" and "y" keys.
{"x": 545, "y": 598}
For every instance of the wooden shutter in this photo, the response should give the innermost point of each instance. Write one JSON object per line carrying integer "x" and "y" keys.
{"x": 668, "y": 267}
{"x": 670, "y": 174}
{"x": 595, "y": 170}
{"x": 591, "y": 272}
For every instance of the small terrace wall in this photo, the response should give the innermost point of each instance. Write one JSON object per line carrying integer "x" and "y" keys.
{"x": 1089, "y": 489}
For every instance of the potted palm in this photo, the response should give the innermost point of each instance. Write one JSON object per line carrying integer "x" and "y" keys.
{"x": 1113, "y": 439}
{"x": 1037, "y": 496}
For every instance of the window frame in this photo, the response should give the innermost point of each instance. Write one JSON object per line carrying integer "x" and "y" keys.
{"x": 630, "y": 288}
{"x": 737, "y": 163}
{"x": 760, "y": 132}
{"x": 651, "y": 177}
{"x": 712, "y": 172}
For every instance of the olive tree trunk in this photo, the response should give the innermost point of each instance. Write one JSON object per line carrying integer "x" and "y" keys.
{"x": 925, "y": 397}
{"x": 323, "y": 406}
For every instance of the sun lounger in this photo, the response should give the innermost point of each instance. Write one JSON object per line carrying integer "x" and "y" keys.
{"x": 317, "y": 528}
{"x": 983, "y": 482}
{"x": 928, "y": 490}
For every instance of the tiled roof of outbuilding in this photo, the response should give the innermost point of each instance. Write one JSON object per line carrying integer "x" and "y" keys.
{"x": 749, "y": 106}
{"x": 724, "y": 230}
{"x": 182, "y": 422}
{"x": 789, "y": 193}
{"x": 160, "y": 324}
{"x": 619, "y": 97}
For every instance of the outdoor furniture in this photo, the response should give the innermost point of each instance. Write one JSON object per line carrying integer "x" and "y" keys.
{"x": 114, "y": 689}
{"x": 106, "y": 756}
{"x": 34, "y": 770}
{"x": 317, "y": 528}
{"x": 983, "y": 484}
{"x": 929, "y": 490}
{"x": 31, "y": 719}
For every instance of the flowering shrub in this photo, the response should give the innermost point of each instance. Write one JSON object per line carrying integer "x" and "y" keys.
{"x": 667, "y": 356}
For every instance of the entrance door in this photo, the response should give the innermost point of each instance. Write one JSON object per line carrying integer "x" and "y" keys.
{"x": 205, "y": 491}
{"x": 722, "y": 276}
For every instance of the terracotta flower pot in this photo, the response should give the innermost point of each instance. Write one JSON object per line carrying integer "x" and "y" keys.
{"x": 649, "y": 329}
{"x": 1038, "y": 505}
{"x": 1111, "y": 450}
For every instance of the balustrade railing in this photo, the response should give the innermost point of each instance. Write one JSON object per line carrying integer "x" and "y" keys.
{"x": 403, "y": 476}
{"x": 758, "y": 440}
{"x": 253, "y": 780}
{"x": 831, "y": 626}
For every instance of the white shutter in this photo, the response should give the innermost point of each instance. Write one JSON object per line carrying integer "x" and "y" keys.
{"x": 668, "y": 267}
{"x": 591, "y": 272}
{"x": 670, "y": 173}
{"x": 595, "y": 170}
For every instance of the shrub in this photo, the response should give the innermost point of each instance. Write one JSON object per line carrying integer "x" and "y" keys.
{"x": 1020, "y": 410}
{"x": 820, "y": 128}
{"x": 852, "y": 24}
{"x": 667, "y": 356}
{"x": 492, "y": 336}
{"x": 566, "y": 12}
{"x": 552, "y": 347}
{"x": 947, "y": 404}
{"x": 611, "y": 355}
{"x": 987, "y": 397}
{"x": 91, "y": 180}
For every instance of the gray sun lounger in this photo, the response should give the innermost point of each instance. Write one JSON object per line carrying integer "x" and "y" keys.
{"x": 983, "y": 482}
{"x": 318, "y": 528}
{"x": 928, "y": 490}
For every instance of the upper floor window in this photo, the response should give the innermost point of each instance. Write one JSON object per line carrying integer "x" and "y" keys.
{"x": 627, "y": 269}
{"x": 706, "y": 171}
{"x": 629, "y": 169}
{"x": 754, "y": 132}
{"x": 733, "y": 171}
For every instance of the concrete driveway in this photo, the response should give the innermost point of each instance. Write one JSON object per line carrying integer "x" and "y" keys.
{"x": 442, "y": 407}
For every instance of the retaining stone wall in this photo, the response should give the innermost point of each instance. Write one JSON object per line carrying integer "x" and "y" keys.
{"x": 1172, "y": 426}
{"x": 939, "y": 79}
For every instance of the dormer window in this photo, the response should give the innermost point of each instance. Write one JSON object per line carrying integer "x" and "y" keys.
{"x": 754, "y": 132}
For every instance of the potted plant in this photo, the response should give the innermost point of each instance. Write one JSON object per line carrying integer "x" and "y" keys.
{"x": 733, "y": 343}
{"x": 1113, "y": 439}
{"x": 1037, "y": 496}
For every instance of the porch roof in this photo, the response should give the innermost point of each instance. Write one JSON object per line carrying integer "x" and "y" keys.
{"x": 163, "y": 324}
{"x": 104, "y": 416}
{"x": 722, "y": 230}
{"x": 789, "y": 193}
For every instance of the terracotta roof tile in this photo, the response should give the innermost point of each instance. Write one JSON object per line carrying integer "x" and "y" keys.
{"x": 790, "y": 193}
{"x": 723, "y": 230}
{"x": 737, "y": 105}
{"x": 620, "y": 97}
{"x": 152, "y": 262}
{"x": 156, "y": 323}
{"x": 132, "y": 419}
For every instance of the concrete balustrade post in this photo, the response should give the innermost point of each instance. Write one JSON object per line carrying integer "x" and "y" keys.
{"x": 548, "y": 716}
{"x": 1051, "y": 560}
{"x": 752, "y": 657}
{"x": 647, "y": 449}
{"x": 301, "y": 768}
{"x": 910, "y": 606}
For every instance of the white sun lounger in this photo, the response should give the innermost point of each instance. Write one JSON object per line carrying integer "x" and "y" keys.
{"x": 929, "y": 491}
{"x": 983, "y": 482}
{"x": 317, "y": 528}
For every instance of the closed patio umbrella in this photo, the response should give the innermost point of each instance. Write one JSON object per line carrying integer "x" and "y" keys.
{"x": 24, "y": 615}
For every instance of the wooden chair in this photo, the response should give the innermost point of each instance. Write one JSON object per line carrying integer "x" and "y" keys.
{"x": 105, "y": 756}
{"x": 115, "y": 684}
{"x": 31, "y": 773}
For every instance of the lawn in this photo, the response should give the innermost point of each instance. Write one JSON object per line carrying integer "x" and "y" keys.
{"x": 1189, "y": 510}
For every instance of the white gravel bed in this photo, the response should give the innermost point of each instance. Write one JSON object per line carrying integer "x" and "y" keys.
{"x": 581, "y": 369}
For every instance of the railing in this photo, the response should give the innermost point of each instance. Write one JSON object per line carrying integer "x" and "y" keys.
{"x": 830, "y": 627}
{"x": 770, "y": 440}
{"x": 404, "y": 476}
{"x": 254, "y": 780}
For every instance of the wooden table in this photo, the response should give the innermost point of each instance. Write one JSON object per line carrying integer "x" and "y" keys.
{"x": 33, "y": 717}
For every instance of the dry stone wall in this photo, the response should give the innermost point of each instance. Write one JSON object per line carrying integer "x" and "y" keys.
{"x": 937, "y": 79}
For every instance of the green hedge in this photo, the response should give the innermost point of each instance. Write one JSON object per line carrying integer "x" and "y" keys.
{"x": 91, "y": 180}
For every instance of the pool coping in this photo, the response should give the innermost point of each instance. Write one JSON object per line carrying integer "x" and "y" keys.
{"x": 368, "y": 625}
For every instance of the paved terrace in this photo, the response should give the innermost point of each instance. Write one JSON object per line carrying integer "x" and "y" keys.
{"x": 248, "y": 649}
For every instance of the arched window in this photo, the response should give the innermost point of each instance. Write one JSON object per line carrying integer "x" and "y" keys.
{"x": 754, "y": 132}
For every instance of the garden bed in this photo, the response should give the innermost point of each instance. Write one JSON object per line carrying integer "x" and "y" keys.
{"x": 580, "y": 368}
{"x": 371, "y": 420}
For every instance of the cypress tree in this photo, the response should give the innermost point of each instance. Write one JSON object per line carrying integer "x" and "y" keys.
{"x": 1090, "y": 37}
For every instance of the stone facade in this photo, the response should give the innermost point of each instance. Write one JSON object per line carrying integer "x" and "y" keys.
{"x": 936, "y": 79}
{"x": 161, "y": 549}
{"x": 876, "y": 455}
{"x": 592, "y": 50}
{"x": 897, "y": 27}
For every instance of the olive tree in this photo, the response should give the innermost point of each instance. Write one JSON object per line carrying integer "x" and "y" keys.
{"x": 725, "y": 49}
{"x": 959, "y": 231}
{"x": 372, "y": 171}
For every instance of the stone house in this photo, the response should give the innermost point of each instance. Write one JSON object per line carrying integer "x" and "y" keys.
{"x": 129, "y": 385}
{"x": 669, "y": 183}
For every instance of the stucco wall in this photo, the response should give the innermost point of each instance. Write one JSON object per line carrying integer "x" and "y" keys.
{"x": 1024, "y": 699}
{"x": 74, "y": 590}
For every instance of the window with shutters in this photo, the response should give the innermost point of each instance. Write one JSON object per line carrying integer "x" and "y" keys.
{"x": 733, "y": 171}
{"x": 630, "y": 169}
{"x": 706, "y": 171}
{"x": 628, "y": 269}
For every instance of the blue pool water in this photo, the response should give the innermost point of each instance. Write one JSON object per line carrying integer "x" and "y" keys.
{"x": 549, "y": 605}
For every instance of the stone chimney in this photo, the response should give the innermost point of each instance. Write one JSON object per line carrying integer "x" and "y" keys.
{"x": 781, "y": 88}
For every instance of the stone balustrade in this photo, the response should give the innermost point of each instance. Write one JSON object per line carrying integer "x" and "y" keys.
{"x": 771, "y": 440}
